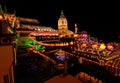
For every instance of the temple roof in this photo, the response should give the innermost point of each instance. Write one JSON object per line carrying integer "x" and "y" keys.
{"x": 28, "y": 20}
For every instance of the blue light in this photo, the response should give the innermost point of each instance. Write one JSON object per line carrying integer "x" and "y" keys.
{"x": 61, "y": 58}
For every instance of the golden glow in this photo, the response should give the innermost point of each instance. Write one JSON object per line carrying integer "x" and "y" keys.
{"x": 67, "y": 44}
{"x": 102, "y": 46}
{"x": 84, "y": 45}
{"x": 110, "y": 47}
{"x": 71, "y": 43}
{"x": 62, "y": 44}
{"x": 75, "y": 35}
{"x": 95, "y": 46}
{"x": 1, "y": 17}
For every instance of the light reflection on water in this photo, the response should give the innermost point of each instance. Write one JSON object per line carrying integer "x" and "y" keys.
{"x": 86, "y": 78}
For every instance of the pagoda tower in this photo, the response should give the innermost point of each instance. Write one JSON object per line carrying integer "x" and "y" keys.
{"x": 62, "y": 24}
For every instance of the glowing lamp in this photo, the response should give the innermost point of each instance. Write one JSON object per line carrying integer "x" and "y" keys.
{"x": 84, "y": 45}
{"x": 110, "y": 47}
{"x": 71, "y": 43}
{"x": 102, "y": 46}
{"x": 67, "y": 44}
{"x": 61, "y": 44}
{"x": 95, "y": 46}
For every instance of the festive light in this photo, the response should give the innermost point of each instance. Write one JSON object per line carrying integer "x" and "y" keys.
{"x": 84, "y": 45}
{"x": 95, "y": 45}
{"x": 110, "y": 47}
{"x": 71, "y": 43}
{"x": 102, "y": 46}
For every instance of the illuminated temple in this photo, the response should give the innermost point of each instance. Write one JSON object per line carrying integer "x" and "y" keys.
{"x": 20, "y": 35}
{"x": 63, "y": 26}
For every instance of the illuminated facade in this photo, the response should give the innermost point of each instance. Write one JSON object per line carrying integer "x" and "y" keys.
{"x": 63, "y": 26}
{"x": 31, "y": 28}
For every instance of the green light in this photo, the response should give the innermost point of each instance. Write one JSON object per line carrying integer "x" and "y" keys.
{"x": 29, "y": 44}
{"x": 43, "y": 47}
{"x": 37, "y": 47}
{"x": 35, "y": 43}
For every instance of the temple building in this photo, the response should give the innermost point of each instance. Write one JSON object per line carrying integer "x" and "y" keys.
{"x": 31, "y": 28}
{"x": 63, "y": 26}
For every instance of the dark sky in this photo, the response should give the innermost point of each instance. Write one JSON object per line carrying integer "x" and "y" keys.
{"x": 99, "y": 19}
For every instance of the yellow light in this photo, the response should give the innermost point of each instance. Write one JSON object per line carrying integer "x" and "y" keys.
{"x": 66, "y": 43}
{"x": 102, "y": 46}
{"x": 71, "y": 43}
{"x": 1, "y": 17}
{"x": 61, "y": 44}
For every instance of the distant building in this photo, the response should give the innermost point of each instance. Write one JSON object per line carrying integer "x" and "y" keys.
{"x": 30, "y": 27}
{"x": 63, "y": 26}
{"x": 27, "y": 25}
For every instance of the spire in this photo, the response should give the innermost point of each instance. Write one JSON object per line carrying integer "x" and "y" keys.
{"x": 76, "y": 28}
{"x": 75, "y": 24}
{"x": 62, "y": 14}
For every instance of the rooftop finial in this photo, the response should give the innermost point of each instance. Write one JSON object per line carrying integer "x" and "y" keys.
{"x": 76, "y": 28}
{"x": 75, "y": 24}
{"x": 62, "y": 12}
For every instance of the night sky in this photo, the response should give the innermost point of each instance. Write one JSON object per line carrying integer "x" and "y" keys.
{"x": 99, "y": 19}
